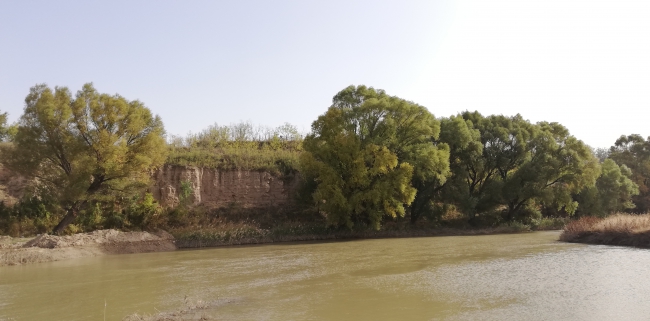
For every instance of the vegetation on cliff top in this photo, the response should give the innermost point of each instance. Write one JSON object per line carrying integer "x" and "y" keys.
{"x": 241, "y": 146}
{"x": 3, "y": 126}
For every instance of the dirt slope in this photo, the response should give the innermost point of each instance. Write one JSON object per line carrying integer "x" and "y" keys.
{"x": 47, "y": 248}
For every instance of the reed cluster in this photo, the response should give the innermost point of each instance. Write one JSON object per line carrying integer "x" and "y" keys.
{"x": 618, "y": 229}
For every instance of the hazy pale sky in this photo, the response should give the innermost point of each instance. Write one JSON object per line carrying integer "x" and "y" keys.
{"x": 584, "y": 64}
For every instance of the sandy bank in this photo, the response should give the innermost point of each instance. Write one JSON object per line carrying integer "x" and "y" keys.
{"x": 48, "y": 248}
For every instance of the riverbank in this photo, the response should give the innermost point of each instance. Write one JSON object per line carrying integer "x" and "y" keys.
{"x": 48, "y": 248}
{"x": 619, "y": 229}
{"x": 251, "y": 235}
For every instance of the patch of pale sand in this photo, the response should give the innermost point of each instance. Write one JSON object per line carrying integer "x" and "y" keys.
{"x": 48, "y": 248}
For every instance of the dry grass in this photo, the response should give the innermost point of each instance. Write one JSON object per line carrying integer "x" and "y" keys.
{"x": 619, "y": 229}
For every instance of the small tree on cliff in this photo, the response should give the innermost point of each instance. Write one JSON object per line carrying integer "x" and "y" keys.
{"x": 84, "y": 148}
{"x": 3, "y": 126}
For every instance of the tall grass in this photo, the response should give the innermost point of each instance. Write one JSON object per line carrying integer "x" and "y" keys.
{"x": 234, "y": 158}
{"x": 619, "y": 229}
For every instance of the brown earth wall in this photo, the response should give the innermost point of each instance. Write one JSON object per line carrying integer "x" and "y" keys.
{"x": 215, "y": 189}
{"x": 209, "y": 187}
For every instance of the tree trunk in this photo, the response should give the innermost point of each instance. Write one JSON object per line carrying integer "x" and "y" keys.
{"x": 67, "y": 219}
{"x": 511, "y": 212}
{"x": 414, "y": 215}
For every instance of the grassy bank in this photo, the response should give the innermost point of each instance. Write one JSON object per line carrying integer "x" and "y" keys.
{"x": 247, "y": 233}
{"x": 619, "y": 229}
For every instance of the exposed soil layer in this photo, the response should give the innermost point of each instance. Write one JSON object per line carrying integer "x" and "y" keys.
{"x": 47, "y": 248}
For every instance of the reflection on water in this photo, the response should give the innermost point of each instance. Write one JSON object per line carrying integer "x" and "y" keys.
{"x": 497, "y": 277}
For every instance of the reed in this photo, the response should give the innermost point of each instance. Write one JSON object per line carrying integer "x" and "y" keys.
{"x": 619, "y": 229}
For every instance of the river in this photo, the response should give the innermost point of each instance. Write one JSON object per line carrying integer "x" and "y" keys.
{"x": 527, "y": 276}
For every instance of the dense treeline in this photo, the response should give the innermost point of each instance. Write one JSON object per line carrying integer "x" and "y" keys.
{"x": 374, "y": 156}
{"x": 371, "y": 158}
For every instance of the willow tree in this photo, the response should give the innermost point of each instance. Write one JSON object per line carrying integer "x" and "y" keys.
{"x": 365, "y": 153}
{"x": 612, "y": 192}
{"x": 518, "y": 167}
{"x": 84, "y": 147}
{"x": 634, "y": 152}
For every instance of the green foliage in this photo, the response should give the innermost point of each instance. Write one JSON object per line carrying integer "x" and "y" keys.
{"x": 634, "y": 152}
{"x": 370, "y": 158}
{"x": 517, "y": 167}
{"x": 85, "y": 148}
{"x": 185, "y": 191}
{"x": 137, "y": 212}
{"x": 3, "y": 127}
{"x": 177, "y": 216}
{"x": 31, "y": 215}
{"x": 239, "y": 147}
{"x": 464, "y": 141}
{"x": 549, "y": 223}
{"x": 364, "y": 152}
{"x": 232, "y": 158}
{"x": 612, "y": 192}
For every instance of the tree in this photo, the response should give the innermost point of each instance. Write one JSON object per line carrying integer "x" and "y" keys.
{"x": 365, "y": 153}
{"x": 517, "y": 167}
{"x": 559, "y": 166}
{"x": 612, "y": 192}
{"x": 494, "y": 149}
{"x": 87, "y": 147}
{"x": 634, "y": 152}
{"x": 3, "y": 126}
{"x": 601, "y": 153}
{"x": 435, "y": 196}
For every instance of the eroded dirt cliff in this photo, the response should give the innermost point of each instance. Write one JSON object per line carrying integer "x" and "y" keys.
{"x": 214, "y": 188}
{"x": 209, "y": 187}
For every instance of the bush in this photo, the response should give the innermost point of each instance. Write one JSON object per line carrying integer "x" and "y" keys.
{"x": 549, "y": 223}
{"x": 239, "y": 147}
{"x": 31, "y": 215}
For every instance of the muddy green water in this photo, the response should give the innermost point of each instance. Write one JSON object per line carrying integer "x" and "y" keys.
{"x": 497, "y": 277}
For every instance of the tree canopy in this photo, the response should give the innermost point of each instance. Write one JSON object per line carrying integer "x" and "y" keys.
{"x": 634, "y": 152}
{"x": 365, "y": 152}
{"x": 85, "y": 147}
{"x": 511, "y": 164}
{"x": 612, "y": 192}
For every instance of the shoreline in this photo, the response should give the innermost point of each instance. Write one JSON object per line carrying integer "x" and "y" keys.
{"x": 49, "y": 248}
{"x": 617, "y": 230}
{"x": 205, "y": 239}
